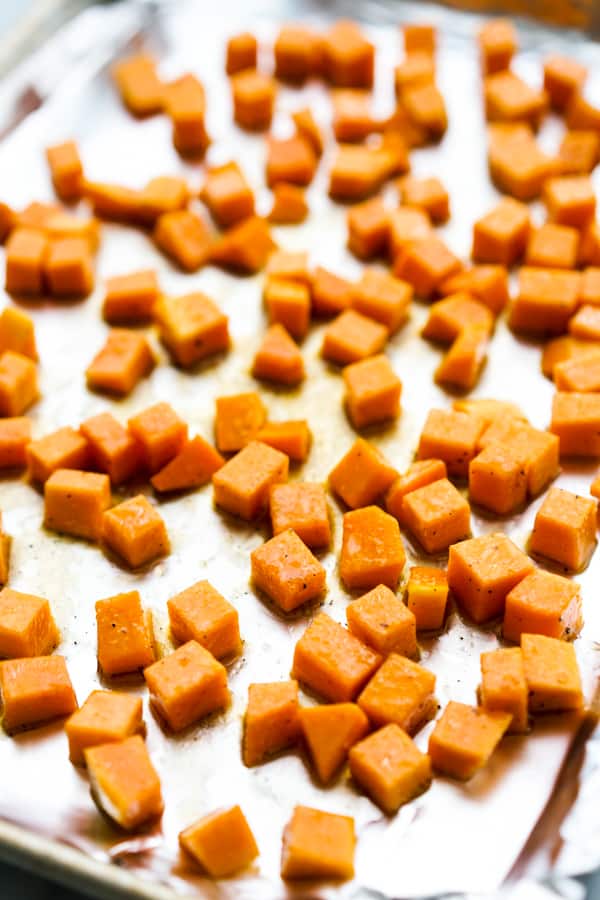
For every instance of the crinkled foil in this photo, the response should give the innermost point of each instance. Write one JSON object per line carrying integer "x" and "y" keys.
{"x": 455, "y": 839}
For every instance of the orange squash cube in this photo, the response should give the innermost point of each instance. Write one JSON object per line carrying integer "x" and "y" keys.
{"x": 122, "y": 362}
{"x": 241, "y": 52}
{"x": 164, "y": 194}
{"x": 242, "y": 485}
{"x": 331, "y": 294}
{"x": 139, "y": 85}
{"x": 297, "y": 52}
{"x": 498, "y": 478}
{"x": 538, "y": 449}
{"x": 358, "y": 172}
{"x": 222, "y": 842}
{"x": 318, "y": 845}
{"x": 228, "y": 195}
{"x": 462, "y": 364}
{"x": 581, "y": 373}
{"x": 135, "y": 531}
{"x": 490, "y": 411}
{"x": 451, "y": 436}
{"x": 105, "y": 717}
{"x": 425, "y": 107}
{"x": 113, "y": 201}
{"x": 509, "y": 99}
{"x": 124, "y": 782}
{"x": 187, "y": 685}
{"x": 35, "y": 690}
{"x": 353, "y": 119}
{"x": 497, "y": 45}
{"x": 501, "y": 235}
{"x": 348, "y": 57}
{"x": 15, "y": 435}
{"x": 329, "y": 731}
{"x": 288, "y": 302}
{"x": 125, "y": 634}
{"x": 576, "y": 422}
{"x": 373, "y": 391}
{"x": 68, "y": 269}
{"x": 554, "y": 246}
{"x": 245, "y": 247}
{"x": 400, "y": 692}
{"x": 425, "y": 264}
{"x": 368, "y": 228}
{"x": 543, "y": 603}
{"x": 291, "y": 160}
{"x": 185, "y": 105}
{"x": 481, "y": 572}
{"x": 372, "y": 549}
{"x": 503, "y": 687}
{"x": 289, "y": 266}
{"x": 565, "y": 529}
{"x": 27, "y": 626}
{"x": 239, "y": 418}
{"x": 428, "y": 194}
{"x": 185, "y": 238}
{"x": 192, "y": 327}
{"x": 448, "y": 317}
{"x": 333, "y": 663}
{"x": 570, "y": 200}
{"x": 66, "y": 170}
{"x": 26, "y": 251}
{"x": 407, "y": 224}
{"x": 63, "y": 449}
{"x": 390, "y": 768}
{"x": 352, "y": 337}
{"x": 362, "y": 475}
{"x": 302, "y": 507}
{"x": 278, "y": 358}
{"x": 271, "y": 723}
{"x": 546, "y": 300}
{"x": 289, "y": 204}
{"x": 563, "y": 77}
{"x": 160, "y": 433}
{"x": 200, "y": 613}
{"x": 307, "y": 127}
{"x": 585, "y": 324}
{"x": 286, "y": 571}
{"x": 464, "y": 739}
{"x": 193, "y": 466}
{"x": 419, "y": 37}
{"x": 130, "y": 298}
{"x": 579, "y": 152}
{"x": 417, "y": 67}
{"x": 111, "y": 448}
{"x": 437, "y": 515}
{"x": 427, "y": 596}
{"x": 382, "y": 297}
{"x": 17, "y": 333}
{"x": 293, "y": 438}
{"x": 486, "y": 283}
{"x": 417, "y": 475}
{"x": 551, "y": 673}
{"x": 253, "y": 95}
{"x": 382, "y": 621}
{"x": 18, "y": 383}
{"x": 75, "y": 502}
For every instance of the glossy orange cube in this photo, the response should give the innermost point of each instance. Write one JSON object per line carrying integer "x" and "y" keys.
{"x": 135, "y": 531}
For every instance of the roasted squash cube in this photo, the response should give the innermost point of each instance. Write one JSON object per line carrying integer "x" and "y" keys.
{"x": 63, "y": 449}
{"x": 302, "y": 507}
{"x": 27, "y": 626}
{"x": 373, "y": 391}
{"x": 242, "y": 485}
{"x": 200, "y": 613}
{"x": 503, "y": 686}
{"x": 221, "y": 842}
{"x": 286, "y": 571}
{"x": 318, "y": 845}
{"x": 35, "y": 690}
{"x": 401, "y": 691}
{"x": 271, "y": 722}
{"x": 105, "y": 717}
{"x": 329, "y": 731}
{"x": 390, "y": 768}
{"x": 565, "y": 529}
{"x": 75, "y": 502}
{"x": 427, "y": 596}
{"x": 362, "y": 475}
{"x": 381, "y": 620}
{"x": 450, "y": 435}
{"x": 437, "y": 515}
{"x": 192, "y": 327}
{"x": 551, "y": 673}
{"x": 543, "y": 603}
{"x": 130, "y": 298}
{"x": 121, "y": 363}
{"x": 124, "y": 782}
{"x": 135, "y": 531}
{"x": 160, "y": 433}
{"x": 18, "y": 383}
{"x": 111, "y": 447}
{"x": 125, "y": 634}
{"x": 464, "y": 739}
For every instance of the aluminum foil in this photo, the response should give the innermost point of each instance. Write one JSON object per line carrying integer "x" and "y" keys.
{"x": 460, "y": 839}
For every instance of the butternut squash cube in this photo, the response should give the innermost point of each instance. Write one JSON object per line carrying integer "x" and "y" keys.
{"x": 25, "y": 255}
{"x": 390, "y": 768}
{"x": 352, "y": 337}
{"x": 112, "y": 448}
{"x": 333, "y": 663}
{"x": 221, "y": 842}
{"x": 164, "y": 194}
{"x": 353, "y": 119}
{"x": 462, "y": 364}
{"x": 503, "y": 686}
{"x": 543, "y": 603}
{"x": 400, "y": 692}
{"x": 579, "y": 152}
{"x": 329, "y": 731}
{"x": 185, "y": 105}
{"x": 298, "y": 53}
{"x": 289, "y": 205}
{"x": 271, "y": 722}
{"x": 192, "y": 327}
{"x": 35, "y": 690}
{"x": 501, "y": 235}
{"x": 184, "y": 237}
{"x": 565, "y": 529}
{"x": 497, "y": 40}
{"x": 425, "y": 108}
{"x": 63, "y": 449}
{"x": 17, "y": 333}
{"x": 125, "y": 634}
{"x": 130, "y": 298}
{"x": 194, "y": 466}
{"x": 302, "y": 507}
{"x": 451, "y": 436}
{"x": 373, "y": 391}
{"x": 139, "y": 85}
{"x": 66, "y": 170}
{"x": 228, "y": 195}
{"x": 419, "y": 37}
{"x": 464, "y": 739}
{"x": 570, "y": 200}
{"x": 381, "y": 620}
{"x": 382, "y": 297}
{"x": 242, "y": 485}
{"x": 241, "y": 51}
{"x": 362, "y": 475}
{"x": 427, "y": 596}
{"x": 418, "y": 474}
{"x": 368, "y": 228}
{"x": 105, "y": 717}
{"x": 437, "y": 515}
{"x": 288, "y": 302}
{"x": 287, "y": 572}
{"x": 122, "y": 362}
{"x": 331, "y": 294}
{"x": 481, "y": 572}
{"x": 486, "y": 283}
{"x": 160, "y": 433}
{"x": 428, "y": 194}
{"x": 253, "y": 95}
{"x": 348, "y": 57}
{"x": 292, "y": 160}
{"x": 68, "y": 268}
{"x": 15, "y": 435}
{"x": 245, "y": 247}
{"x": 318, "y": 845}
{"x": 18, "y": 383}
{"x": 576, "y": 422}
{"x": 417, "y": 67}
{"x": 278, "y": 358}
{"x": 124, "y": 782}
{"x": 27, "y": 626}
{"x": 75, "y": 502}
{"x": 293, "y": 438}
{"x": 407, "y": 224}
{"x": 585, "y": 324}
{"x": 200, "y": 613}
{"x": 539, "y": 449}
{"x": 358, "y": 171}
{"x": 306, "y": 125}
{"x": 135, "y": 531}
{"x": 546, "y": 300}
{"x": 498, "y": 478}
{"x": 187, "y": 685}
{"x": 448, "y": 317}
{"x": 510, "y": 99}
{"x": 289, "y": 266}
{"x": 239, "y": 417}
{"x": 551, "y": 673}
{"x": 553, "y": 246}
{"x": 372, "y": 549}
{"x": 425, "y": 264}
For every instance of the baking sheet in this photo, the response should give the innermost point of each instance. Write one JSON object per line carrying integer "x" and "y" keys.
{"x": 454, "y": 838}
